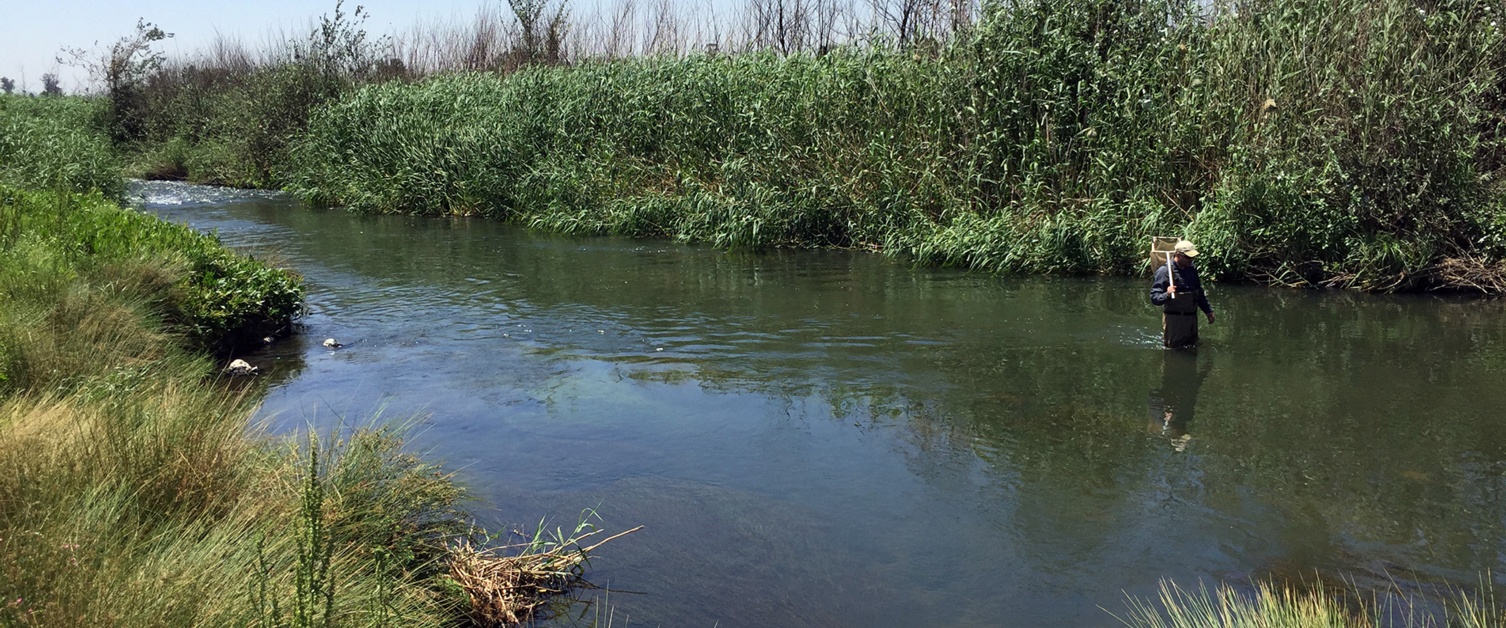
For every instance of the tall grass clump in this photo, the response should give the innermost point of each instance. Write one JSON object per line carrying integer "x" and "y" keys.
{"x": 1274, "y": 606}
{"x": 139, "y": 499}
{"x": 150, "y": 506}
{"x": 1350, "y": 143}
{"x": 1364, "y": 142}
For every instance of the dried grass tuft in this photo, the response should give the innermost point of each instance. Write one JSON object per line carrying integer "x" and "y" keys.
{"x": 1472, "y": 273}
{"x": 507, "y": 585}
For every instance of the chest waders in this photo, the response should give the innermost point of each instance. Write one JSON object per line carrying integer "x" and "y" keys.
{"x": 1179, "y": 320}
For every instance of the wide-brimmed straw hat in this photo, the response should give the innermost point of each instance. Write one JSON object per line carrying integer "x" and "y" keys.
{"x": 1185, "y": 247}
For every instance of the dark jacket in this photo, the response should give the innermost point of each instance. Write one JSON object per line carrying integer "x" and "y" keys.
{"x": 1188, "y": 286}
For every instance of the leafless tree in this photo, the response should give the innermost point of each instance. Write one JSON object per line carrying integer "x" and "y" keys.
{"x": 779, "y": 25}
{"x": 128, "y": 60}
{"x": 828, "y": 16}
{"x": 542, "y": 30}
{"x": 791, "y": 26}
{"x": 930, "y": 20}
{"x": 664, "y": 30}
{"x": 229, "y": 53}
{"x": 620, "y": 38}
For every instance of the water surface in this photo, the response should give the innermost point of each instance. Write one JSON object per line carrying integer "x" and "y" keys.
{"x": 837, "y": 439}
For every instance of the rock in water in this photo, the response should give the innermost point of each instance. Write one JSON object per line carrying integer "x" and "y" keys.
{"x": 331, "y": 343}
{"x": 240, "y": 368}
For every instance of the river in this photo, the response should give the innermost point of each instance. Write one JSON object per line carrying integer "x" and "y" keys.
{"x": 836, "y": 438}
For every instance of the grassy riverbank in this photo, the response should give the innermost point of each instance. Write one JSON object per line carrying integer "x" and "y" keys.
{"x": 134, "y": 489}
{"x": 1287, "y": 136}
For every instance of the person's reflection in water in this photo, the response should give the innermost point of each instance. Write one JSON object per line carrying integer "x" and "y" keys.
{"x": 1173, "y": 403}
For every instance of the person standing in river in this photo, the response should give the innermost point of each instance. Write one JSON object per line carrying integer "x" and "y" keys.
{"x": 1179, "y": 291}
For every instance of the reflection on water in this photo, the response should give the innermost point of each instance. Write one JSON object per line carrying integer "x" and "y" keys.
{"x": 1173, "y": 403}
{"x": 833, "y": 438}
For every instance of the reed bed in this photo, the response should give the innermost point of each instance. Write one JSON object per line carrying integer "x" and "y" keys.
{"x": 57, "y": 143}
{"x": 1289, "y": 137}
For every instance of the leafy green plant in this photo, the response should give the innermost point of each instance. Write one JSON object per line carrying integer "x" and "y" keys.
{"x": 314, "y": 582}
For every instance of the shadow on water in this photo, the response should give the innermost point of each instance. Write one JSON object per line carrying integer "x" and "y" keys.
{"x": 833, "y": 438}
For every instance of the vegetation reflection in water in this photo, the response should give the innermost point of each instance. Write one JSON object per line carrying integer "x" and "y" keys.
{"x": 1347, "y": 434}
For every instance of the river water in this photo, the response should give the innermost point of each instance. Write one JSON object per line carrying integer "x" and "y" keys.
{"x": 838, "y": 439}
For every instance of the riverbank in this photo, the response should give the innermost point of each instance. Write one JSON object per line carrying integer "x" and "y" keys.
{"x": 136, "y": 491}
{"x": 135, "y": 488}
{"x": 1052, "y": 137}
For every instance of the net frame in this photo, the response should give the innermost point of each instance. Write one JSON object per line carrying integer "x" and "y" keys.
{"x": 1161, "y": 250}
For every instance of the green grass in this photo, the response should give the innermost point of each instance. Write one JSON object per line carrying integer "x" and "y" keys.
{"x": 134, "y": 489}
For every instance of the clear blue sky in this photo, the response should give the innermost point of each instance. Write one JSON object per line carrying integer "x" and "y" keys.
{"x": 34, "y": 30}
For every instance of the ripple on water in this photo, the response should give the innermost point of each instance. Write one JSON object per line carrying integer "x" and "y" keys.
{"x": 177, "y": 193}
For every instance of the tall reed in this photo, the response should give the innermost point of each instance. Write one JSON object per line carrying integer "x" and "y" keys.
{"x": 1351, "y": 143}
{"x": 57, "y": 143}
